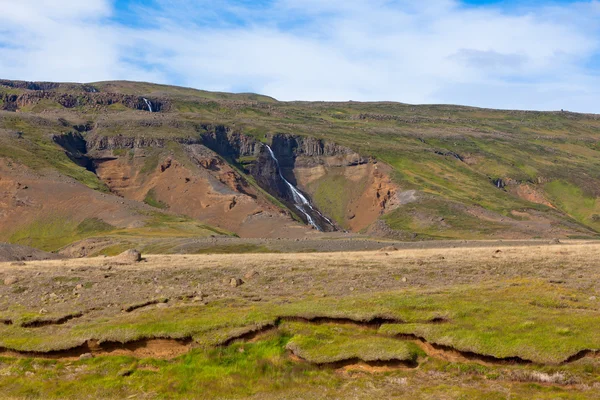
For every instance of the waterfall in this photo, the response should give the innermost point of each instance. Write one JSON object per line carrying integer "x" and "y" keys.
{"x": 301, "y": 202}
{"x": 149, "y": 104}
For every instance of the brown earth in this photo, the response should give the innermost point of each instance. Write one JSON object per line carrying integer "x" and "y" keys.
{"x": 28, "y": 196}
{"x": 205, "y": 188}
{"x": 13, "y": 252}
{"x": 369, "y": 192}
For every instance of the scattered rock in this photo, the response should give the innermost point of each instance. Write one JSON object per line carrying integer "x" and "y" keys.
{"x": 43, "y": 311}
{"x": 235, "y": 282}
{"x": 10, "y": 280}
{"x": 555, "y": 241}
{"x": 404, "y": 279}
{"x": 129, "y": 256}
{"x": 86, "y": 356}
{"x": 593, "y": 298}
{"x": 162, "y": 305}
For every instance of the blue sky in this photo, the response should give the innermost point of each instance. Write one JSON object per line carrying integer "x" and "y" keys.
{"x": 539, "y": 54}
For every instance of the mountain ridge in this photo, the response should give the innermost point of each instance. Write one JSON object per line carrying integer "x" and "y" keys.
{"x": 429, "y": 171}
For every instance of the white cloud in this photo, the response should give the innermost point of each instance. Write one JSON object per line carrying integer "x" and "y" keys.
{"x": 417, "y": 52}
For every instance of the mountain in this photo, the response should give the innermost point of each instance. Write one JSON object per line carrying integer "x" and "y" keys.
{"x": 122, "y": 162}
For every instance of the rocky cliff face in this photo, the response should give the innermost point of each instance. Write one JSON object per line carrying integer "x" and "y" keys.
{"x": 294, "y": 150}
{"x": 13, "y": 102}
{"x": 228, "y": 143}
{"x": 102, "y": 143}
{"x": 311, "y": 165}
{"x": 76, "y": 149}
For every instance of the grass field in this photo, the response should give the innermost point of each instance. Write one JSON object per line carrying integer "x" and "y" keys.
{"x": 489, "y": 321}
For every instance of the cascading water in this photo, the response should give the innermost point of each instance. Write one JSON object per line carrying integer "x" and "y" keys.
{"x": 301, "y": 202}
{"x": 149, "y": 104}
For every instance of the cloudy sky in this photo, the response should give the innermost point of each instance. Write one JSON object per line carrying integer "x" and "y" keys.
{"x": 504, "y": 54}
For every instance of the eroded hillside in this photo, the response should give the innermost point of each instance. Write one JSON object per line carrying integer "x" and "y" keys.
{"x": 114, "y": 152}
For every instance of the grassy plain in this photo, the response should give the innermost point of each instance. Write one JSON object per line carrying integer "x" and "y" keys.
{"x": 486, "y": 321}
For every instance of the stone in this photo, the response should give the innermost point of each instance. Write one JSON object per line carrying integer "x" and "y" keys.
{"x": 162, "y": 305}
{"x": 593, "y": 298}
{"x": 404, "y": 279}
{"x": 130, "y": 256}
{"x": 235, "y": 282}
{"x": 10, "y": 280}
{"x": 86, "y": 356}
{"x": 43, "y": 311}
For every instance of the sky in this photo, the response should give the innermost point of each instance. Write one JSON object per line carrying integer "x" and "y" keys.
{"x": 539, "y": 54}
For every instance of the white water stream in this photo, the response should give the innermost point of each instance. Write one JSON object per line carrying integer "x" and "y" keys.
{"x": 149, "y": 104}
{"x": 301, "y": 202}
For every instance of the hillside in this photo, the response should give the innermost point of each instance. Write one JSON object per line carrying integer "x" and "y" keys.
{"x": 94, "y": 157}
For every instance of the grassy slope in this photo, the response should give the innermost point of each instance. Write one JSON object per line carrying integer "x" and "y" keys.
{"x": 54, "y": 233}
{"x": 560, "y": 149}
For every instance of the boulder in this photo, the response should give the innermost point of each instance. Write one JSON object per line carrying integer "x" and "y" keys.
{"x": 10, "y": 280}
{"x": 235, "y": 282}
{"x": 129, "y": 256}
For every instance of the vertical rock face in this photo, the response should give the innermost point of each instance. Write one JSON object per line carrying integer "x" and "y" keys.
{"x": 291, "y": 150}
{"x": 76, "y": 149}
{"x": 13, "y": 102}
{"x": 229, "y": 144}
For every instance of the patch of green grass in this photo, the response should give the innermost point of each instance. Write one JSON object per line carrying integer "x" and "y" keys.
{"x": 332, "y": 194}
{"x": 330, "y": 343}
{"x": 150, "y": 162}
{"x": 151, "y": 200}
{"x": 575, "y": 202}
{"x": 55, "y": 232}
{"x": 92, "y": 226}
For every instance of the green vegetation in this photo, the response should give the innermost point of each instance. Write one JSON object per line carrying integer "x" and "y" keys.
{"x": 450, "y": 154}
{"x": 332, "y": 195}
{"x": 151, "y": 200}
{"x": 528, "y": 319}
{"x": 575, "y": 202}
{"x": 55, "y": 232}
{"x": 330, "y": 343}
{"x": 503, "y": 321}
